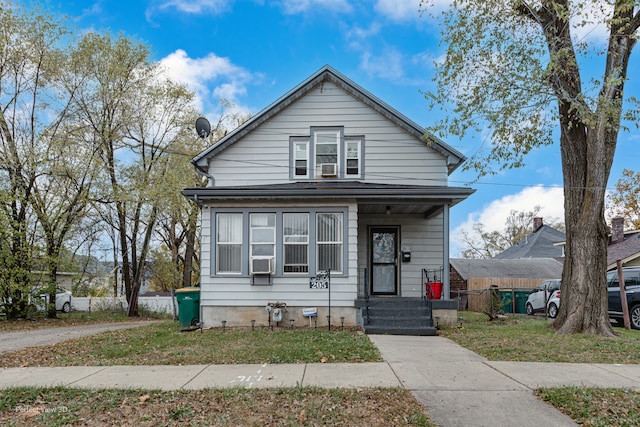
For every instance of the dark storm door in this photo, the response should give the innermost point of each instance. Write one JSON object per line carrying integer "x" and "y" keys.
{"x": 384, "y": 261}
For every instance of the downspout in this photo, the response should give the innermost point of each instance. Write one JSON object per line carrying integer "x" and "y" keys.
{"x": 445, "y": 253}
{"x": 212, "y": 180}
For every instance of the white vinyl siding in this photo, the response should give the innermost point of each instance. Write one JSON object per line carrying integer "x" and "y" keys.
{"x": 389, "y": 154}
{"x": 292, "y": 288}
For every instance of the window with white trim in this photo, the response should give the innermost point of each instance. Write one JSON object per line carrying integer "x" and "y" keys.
{"x": 329, "y": 235}
{"x": 326, "y": 151}
{"x": 353, "y": 158}
{"x": 295, "y": 227}
{"x": 229, "y": 243}
{"x": 301, "y": 158}
{"x": 262, "y": 236}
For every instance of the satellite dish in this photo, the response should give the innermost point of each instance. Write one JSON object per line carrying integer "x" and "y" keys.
{"x": 203, "y": 127}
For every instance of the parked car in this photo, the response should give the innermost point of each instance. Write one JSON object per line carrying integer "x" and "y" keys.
{"x": 632, "y": 287}
{"x": 539, "y": 298}
{"x": 554, "y": 304}
{"x": 63, "y": 299}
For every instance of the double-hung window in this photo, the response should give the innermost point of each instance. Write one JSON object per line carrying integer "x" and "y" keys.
{"x": 301, "y": 158}
{"x": 329, "y": 235}
{"x": 263, "y": 236}
{"x": 296, "y": 242}
{"x": 229, "y": 243}
{"x": 353, "y": 156}
{"x": 326, "y": 150}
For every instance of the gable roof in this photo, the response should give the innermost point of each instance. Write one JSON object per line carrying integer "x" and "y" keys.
{"x": 539, "y": 244}
{"x": 547, "y": 268}
{"x": 625, "y": 250}
{"x": 328, "y": 74}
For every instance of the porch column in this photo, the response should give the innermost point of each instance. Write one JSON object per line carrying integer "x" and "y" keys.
{"x": 446, "y": 291}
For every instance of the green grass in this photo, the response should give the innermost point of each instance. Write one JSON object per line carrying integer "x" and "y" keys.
{"x": 59, "y": 406}
{"x": 163, "y": 344}
{"x": 596, "y": 406}
{"x": 531, "y": 339}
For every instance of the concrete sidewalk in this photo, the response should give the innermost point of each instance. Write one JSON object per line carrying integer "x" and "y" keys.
{"x": 458, "y": 387}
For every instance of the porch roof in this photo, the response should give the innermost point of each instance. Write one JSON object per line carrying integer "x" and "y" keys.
{"x": 376, "y": 197}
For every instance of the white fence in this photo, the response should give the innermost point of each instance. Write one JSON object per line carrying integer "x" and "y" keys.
{"x": 156, "y": 303}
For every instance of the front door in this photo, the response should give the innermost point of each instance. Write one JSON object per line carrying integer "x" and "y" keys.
{"x": 384, "y": 261}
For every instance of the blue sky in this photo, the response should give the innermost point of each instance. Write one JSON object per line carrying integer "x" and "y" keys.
{"x": 253, "y": 51}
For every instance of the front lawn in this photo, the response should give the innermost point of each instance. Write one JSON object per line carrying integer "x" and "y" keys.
{"x": 530, "y": 339}
{"x": 163, "y": 344}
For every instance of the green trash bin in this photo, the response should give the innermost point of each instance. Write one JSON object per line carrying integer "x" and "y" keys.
{"x": 521, "y": 296}
{"x": 188, "y": 306}
{"x": 506, "y": 297}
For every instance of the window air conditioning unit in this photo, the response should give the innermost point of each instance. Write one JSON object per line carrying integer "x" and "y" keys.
{"x": 260, "y": 265}
{"x": 328, "y": 169}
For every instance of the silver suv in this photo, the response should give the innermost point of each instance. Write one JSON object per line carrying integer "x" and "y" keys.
{"x": 632, "y": 287}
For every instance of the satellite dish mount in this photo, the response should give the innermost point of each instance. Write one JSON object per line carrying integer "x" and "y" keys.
{"x": 203, "y": 127}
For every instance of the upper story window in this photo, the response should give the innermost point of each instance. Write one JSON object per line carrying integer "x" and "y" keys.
{"x": 326, "y": 149}
{"x": 353, "y": 158}
{"x": 301, "y": 158}
{"x": 326, "y": 153}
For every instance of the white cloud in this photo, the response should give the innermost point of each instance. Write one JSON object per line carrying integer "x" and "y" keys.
{"x": 388, "y": 65}
{"x": 494, "y": 215}
{"x": 211, "y": 78}
{"x": 196, "y": 6}
{"x": 292, "y": 7}
{"x": 398, "y": 10}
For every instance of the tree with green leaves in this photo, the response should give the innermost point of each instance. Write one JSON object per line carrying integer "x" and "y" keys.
{"x": 135, "y": 115}
{"x": 33, "y": 108}
{"x": 518, "y": 69}
{"x": 625, "y": 200}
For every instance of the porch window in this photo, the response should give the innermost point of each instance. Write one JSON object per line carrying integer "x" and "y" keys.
{"x": 353, "y": 158}
{"x": 329, "y": 241}
{"x": 229, "y": 243}
{"x": 263, "y": 236}
{"x": 296, "y": 242}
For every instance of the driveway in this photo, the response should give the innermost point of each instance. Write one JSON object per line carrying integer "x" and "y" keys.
{"x": 13, "y": 341}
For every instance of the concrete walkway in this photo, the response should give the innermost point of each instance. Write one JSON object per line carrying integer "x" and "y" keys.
{"x": 458, "y": 387}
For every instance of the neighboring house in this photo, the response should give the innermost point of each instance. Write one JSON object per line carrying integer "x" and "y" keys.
{"x": 328, "y": 177}
{"x": 543, "y": 242}
{"x": 623, "y": 245}
{"x": 471, "y": 279}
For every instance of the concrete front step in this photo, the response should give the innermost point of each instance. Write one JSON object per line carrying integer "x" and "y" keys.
{"x": 413, "y": 331}
{"x": 397, "y": 316}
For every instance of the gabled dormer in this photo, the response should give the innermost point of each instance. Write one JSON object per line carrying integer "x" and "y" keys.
{"x": 326, "y": 153}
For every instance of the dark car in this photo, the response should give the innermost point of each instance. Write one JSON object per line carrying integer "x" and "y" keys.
{"x": 632, "y": 287}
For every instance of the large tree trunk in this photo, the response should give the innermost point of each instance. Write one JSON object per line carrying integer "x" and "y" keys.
{"x": 587, "y": 144}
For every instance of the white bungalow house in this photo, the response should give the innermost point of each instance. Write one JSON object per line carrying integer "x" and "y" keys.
{"x": 327, "y": 178}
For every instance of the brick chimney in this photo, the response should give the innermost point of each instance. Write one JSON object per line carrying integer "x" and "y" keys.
{"x": 537, "y": 223}
{"x": 617, "y": 229}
